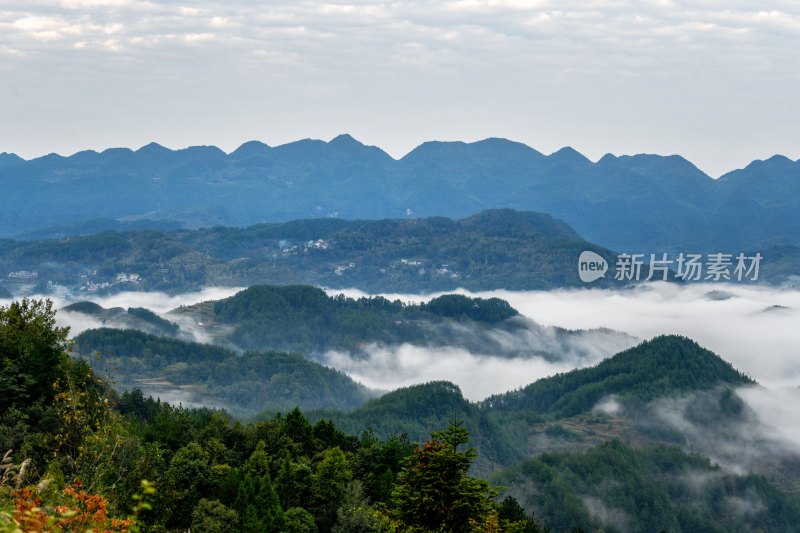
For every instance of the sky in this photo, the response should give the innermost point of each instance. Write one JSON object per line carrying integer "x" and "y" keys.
{"x": 712, "y": 80}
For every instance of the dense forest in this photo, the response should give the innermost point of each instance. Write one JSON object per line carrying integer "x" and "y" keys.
{"x": 81, "y": 455}
{"x": 209, "y": 375}
{"x": 666, "y": 365}
{"x": 304, "y": 319}
{"x": 615, "y": 488}
{"x": 494, "y": 249}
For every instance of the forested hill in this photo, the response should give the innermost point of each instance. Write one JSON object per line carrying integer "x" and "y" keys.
{"x": 80, "y": 456}
{"x": 644, "y": 202}
{"x": 507, "y": 427}
{"x": 137, "y": 318}
{"x": 306, "y": 320}
{"x": 202, "y": 374}
{"x": 615, "y": 488}
{"x": 494, "y": 249}
{"x": 666, "y": 365}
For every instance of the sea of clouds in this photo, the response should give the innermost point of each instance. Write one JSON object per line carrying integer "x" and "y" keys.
{"x": 755, "y": 328}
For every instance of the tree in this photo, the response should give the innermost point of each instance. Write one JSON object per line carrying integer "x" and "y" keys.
{"x": 211, "y": 516}
{"x": 434, "y": 492}
{"x": 298, "y": 520}
{"x": 257, "y": 502}
{"x": 356, "y": 515}
{"x": 328, "y": 486}
{"x": 513, "y": 518}
{"x": 32, "y": 352}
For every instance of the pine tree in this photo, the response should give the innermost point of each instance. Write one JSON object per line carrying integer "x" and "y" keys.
{"x": 256, "y": 501}
{"x": 434, "y": 491}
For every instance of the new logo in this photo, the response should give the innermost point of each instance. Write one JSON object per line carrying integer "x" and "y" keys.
{"x": 591, "y": 266}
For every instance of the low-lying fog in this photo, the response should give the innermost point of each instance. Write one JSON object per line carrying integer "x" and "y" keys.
{"x": 757, "y": 329}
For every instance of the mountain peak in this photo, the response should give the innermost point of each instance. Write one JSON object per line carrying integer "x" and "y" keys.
{"x": 607, "y": 159}
{"x": 205, "y": 150}
{"x": 345, "y": 139}
{"x": 251, "y": 149}
{"x": 760, "y": 169}
{"x": 152, "y": 149}
{"x": 116, "y": 151}
{"x": 569, "y": 155}
{"x": 7, "y": 158}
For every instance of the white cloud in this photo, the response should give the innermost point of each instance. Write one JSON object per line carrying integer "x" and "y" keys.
{"x": 542, "y": 72}
{"x": 741, "y": 329}
{"x": 478, "y": 376}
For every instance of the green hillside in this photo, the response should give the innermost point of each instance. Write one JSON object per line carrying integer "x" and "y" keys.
{"x": 132, "y": 318}
{"x": 664, "y": 366}
{"x": 615, "y": 488}
{"x": 213, "y": 376}
{"x": 491, "y": 250}
{"x": 306, "y": 320}
{"x": 75, "y": 446}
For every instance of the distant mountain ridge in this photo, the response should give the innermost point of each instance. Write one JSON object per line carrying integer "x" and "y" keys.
{"x": 493, "y": 249}
{"x": 634, "y": 203}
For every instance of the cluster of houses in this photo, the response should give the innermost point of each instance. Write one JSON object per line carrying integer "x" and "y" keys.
{"x": 319, "y": 244}
{"x": 122, "y": 277}
{"x": 23, "y": 275}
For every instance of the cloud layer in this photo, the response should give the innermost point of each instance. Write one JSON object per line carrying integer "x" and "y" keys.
{"x": 741, "y": 324}
{"x": 621, "y": 75}
{"x": 754, "y": 328}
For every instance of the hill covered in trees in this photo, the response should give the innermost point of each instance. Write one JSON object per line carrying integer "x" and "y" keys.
{"x": 663, "y": 366}
{"x": 494, "y": 249}
{"x": 308, "y": 321}
{"x": 131, "y": 318}
{"x": 202, "y": 374}
{"x": 81, "y": 451}
{"x": 615, "y": 488}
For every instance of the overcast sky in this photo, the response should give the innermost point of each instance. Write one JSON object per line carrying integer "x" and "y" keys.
{"x": 713, "y": 80}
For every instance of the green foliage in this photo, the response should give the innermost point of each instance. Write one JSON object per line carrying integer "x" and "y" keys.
{"x": 298, "y": 520}
{"x": 356, "y": 515}
{"x": 664, "y": 366}
{"x": 617, "y": 488}
{"x": 31, "y": 353}
{"x": 256, "y": 501}
{"x": 434, "y": 491}
{"x": 494, "y": 249}
{"x": 245, "y": 384}
{"x": 328, "y": 487}
{"x": 491, "y": 311}
{"x": 166, "y": 327}
{"x": 513, "y": 518}
{"x": 304, "y": 319}
{"x": 419, "y": 409}
{"x": 211, "y": 516}
{"x": 87, "y": 308}
{"x": 214, "y": 473}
